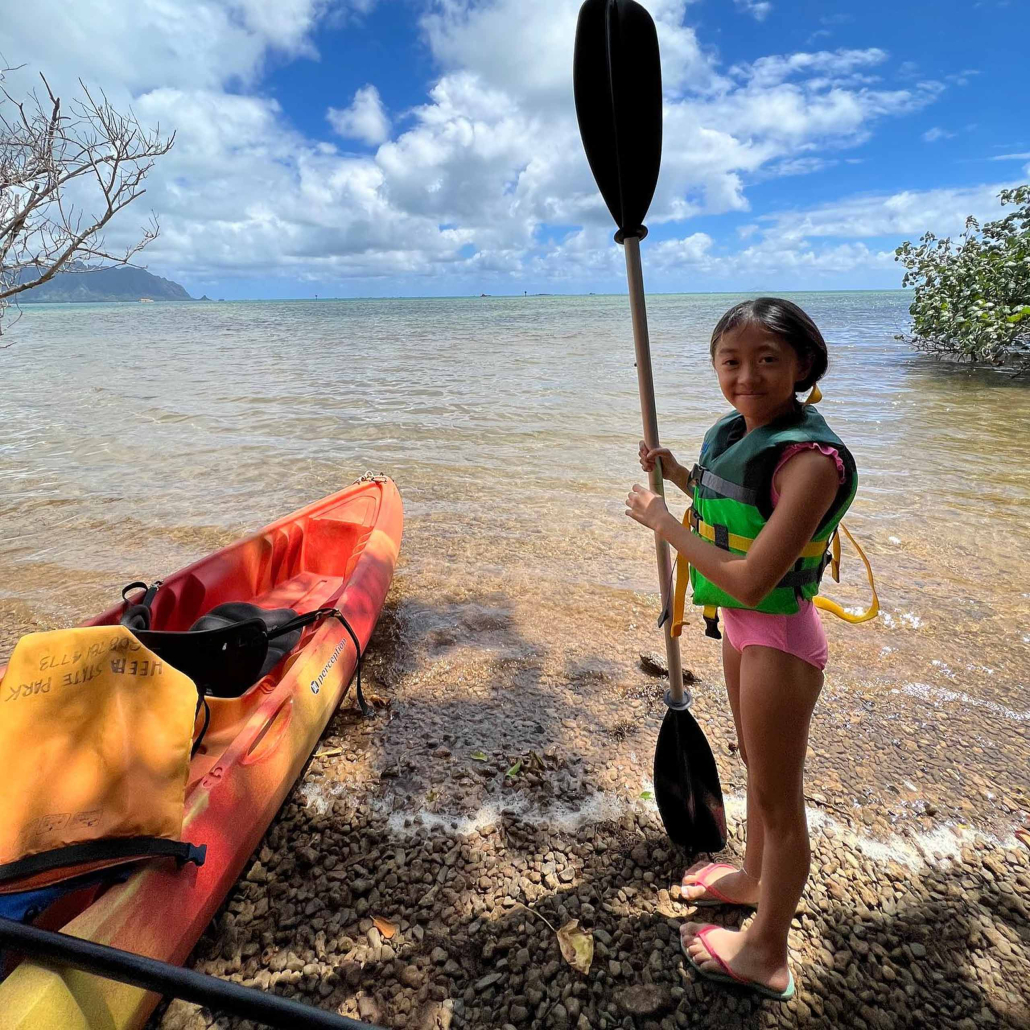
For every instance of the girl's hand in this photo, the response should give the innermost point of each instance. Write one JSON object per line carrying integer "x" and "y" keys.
{"x": 645, "y": 507}
{"x": 647, "y": 457}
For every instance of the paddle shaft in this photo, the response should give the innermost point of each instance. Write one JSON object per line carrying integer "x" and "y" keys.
{"x": 173, "y": 981}
{"x": 645, "y": 383}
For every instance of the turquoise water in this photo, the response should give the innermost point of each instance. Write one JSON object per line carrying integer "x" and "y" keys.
{"x": 137, "y": 437}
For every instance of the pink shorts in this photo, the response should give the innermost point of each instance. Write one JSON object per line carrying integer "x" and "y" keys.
{"x": 801, "y": 635}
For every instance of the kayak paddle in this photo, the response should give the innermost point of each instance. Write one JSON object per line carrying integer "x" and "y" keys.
{"x": 61, "y": 949}
{"x": 617, "y": 79}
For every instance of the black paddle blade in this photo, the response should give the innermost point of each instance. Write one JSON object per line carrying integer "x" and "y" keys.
{"x": 617, "y": 78}
{"x": 686, "y": 785}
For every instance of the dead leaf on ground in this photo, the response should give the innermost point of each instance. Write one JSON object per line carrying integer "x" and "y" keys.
{"x": 385, "y": 927}
{"x": 577, "y": 946}
{"x": 329, "y": 752}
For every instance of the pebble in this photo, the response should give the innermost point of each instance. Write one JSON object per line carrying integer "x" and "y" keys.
{"x": 468, "y": 954}
{"x": 644, "y": 999}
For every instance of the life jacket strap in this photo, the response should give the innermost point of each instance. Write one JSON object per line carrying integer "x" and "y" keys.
{"x": 97, "y": 854}
{"x": 802, "y": 577}
{"x": 679, "y": 599}
{"x": 826, "y": 605}
{"x": 736, "y": 542}
{"x": 700, "y": 476}
{"x": 711, "y": 617}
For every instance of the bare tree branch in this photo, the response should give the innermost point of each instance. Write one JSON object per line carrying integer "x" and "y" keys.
{"x": 48, "y": 155}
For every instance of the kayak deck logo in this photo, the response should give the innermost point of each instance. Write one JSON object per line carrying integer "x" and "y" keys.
{"x": 316, "y": 683}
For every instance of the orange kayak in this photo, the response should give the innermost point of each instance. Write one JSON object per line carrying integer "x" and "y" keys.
{"x": 339, "y": 552}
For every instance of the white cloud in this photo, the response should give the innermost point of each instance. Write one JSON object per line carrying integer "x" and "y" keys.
{"x": 758, "y": 9}
{"x": 833, "y": 64}
{"x": 692, "y": 250}
{"x": 131, "y": 46}
{"x": 962, "y": 78}
{"x": 906, "y": 213}
{"x": 822, "y": 243}
{"x": 936, "y": 133}
{"x": 1012, "y": 157}
{"x": 365, "y": 119}
{"x": 465, "y": 183}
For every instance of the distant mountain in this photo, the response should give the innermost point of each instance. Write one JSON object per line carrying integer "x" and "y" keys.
{"x": 102, "y": 284}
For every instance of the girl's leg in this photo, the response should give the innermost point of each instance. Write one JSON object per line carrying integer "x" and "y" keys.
{"x": 738, "y": 886}
{"x": 778, "y": 692}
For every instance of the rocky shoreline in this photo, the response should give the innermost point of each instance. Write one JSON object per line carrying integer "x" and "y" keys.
{"x": 415, "y": 874}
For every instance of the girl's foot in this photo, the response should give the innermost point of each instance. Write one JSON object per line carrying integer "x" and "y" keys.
{"x": 707, "y": 884}
{"x": 726, "y": 955}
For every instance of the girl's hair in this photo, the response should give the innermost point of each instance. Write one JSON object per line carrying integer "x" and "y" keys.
{"x": 786, "y": 320}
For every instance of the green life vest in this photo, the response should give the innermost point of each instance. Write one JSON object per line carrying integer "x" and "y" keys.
{"x": 732, "y": 502}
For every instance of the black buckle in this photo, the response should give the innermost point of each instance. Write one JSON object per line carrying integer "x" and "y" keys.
{"x": 712, "y": 626}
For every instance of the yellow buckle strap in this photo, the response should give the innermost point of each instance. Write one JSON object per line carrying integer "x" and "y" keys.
{"x": 679, "y": 598}
{"x": 833, "y": 607}
{"x": 816, "y": 549}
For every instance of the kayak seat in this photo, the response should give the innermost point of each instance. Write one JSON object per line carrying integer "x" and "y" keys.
{"x": 227, "y": 650}
{"x": 279, "y": 644}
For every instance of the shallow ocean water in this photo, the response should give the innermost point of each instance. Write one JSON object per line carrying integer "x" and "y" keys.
{"x": 138, "y": 437}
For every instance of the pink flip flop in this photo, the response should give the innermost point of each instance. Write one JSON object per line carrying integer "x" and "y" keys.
{"x": 728, "y": 976}
{"x": 717, "y": 897}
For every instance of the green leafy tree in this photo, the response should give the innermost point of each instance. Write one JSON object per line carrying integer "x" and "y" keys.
{"x": 972, "y": 300}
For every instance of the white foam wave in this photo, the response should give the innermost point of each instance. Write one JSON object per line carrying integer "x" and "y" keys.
{"x": 939, "y": 695}
{"x": 941, "y": 845}
{"x": 604, "y": 806}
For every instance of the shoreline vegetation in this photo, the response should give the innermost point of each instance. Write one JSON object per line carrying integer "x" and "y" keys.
{"x": 972, "y": 299}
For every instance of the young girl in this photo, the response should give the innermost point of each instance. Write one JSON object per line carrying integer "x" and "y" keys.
{"x": 770, "y": 487}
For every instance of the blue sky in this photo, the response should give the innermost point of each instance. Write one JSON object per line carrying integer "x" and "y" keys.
{"x": 408, "y": 147}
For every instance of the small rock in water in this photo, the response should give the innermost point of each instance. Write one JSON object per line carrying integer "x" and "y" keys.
{"x": 655, "y": 665}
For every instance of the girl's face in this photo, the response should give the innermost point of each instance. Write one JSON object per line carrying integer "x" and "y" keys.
{"x": 757, "y": 372}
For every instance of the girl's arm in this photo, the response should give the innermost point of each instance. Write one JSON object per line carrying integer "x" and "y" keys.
{"x": 808, "y": 486}
{"x": 678, "y": 475}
